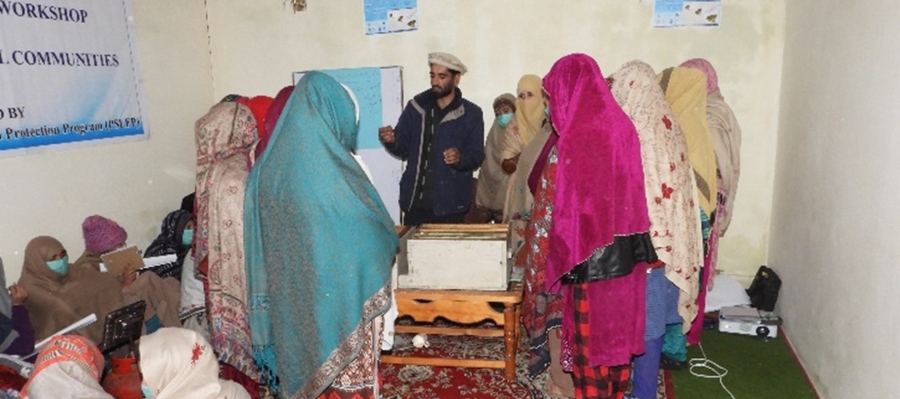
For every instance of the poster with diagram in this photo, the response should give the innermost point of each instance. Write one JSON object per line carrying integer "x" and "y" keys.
{"x": 681, "y": 13}
{"x": 390, "y": 16}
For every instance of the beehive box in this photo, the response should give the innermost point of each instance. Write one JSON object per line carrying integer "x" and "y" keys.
{"x": 455, "y": 257}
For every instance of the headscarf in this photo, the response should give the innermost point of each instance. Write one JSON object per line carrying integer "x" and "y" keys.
{"x": 311, "y": 296}
{"x": 169, "y": 241}
{"x": 685, "y": 90}
{"x": 179, "y": 363}
{"x": 224, "y": 139}
{"x": 668, "y": 180}
{"x": 529, "y": 116}
{"x": 69, "y": 367}
{"x": 259, "y": 106}
{"x": 237, "y": 123}
{"x": 492, "y": 180}
{"x": 271, "y": 119}
{"x": 187, "y": 203}
{"x": 7, "y": 333}
{"x": 56, "y": 301}
{"x": 701, "y": 64}
{"x": 230, "y": 98}
{"x": 726, "y": 138}
{"x": 600, "y": 180}
{"x": 532, "y": 115}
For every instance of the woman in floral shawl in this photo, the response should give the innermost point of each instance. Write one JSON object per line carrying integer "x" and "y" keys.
{"x": 225, "y": 138}
{"x": 674, "y": 215}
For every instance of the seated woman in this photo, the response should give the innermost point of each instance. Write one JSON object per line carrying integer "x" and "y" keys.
{"x": 16, "y": 333}
{"x": 180, "y": 363}
{"x": 61, "y": 294}
{"x": 175, "y": 363}
{"x": 175, "y": 238}
{"x": 69, "y": 367}
{"x": 163, "y": 295}
{"x": 101, "y": 236}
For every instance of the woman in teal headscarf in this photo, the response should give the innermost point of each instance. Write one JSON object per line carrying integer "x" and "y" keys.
{"x": 319, "y": 247}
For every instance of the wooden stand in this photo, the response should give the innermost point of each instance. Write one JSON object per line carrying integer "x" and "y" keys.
{"x": 464, "y": 307}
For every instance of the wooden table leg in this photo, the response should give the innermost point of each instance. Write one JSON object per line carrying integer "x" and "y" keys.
{"x": 520, "y": 329}
{"x": 510, "y": 324}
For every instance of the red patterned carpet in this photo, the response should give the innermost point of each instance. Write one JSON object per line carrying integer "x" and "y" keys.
{"x": 425, "y": 382}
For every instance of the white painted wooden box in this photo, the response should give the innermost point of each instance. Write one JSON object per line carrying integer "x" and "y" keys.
{"x": 455, "y": 257}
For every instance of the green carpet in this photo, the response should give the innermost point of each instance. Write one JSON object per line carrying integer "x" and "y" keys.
{"x": 756, "y": 370}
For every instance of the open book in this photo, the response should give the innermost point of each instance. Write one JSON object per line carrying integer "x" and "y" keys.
{"x": 88, "y": 320}
{"x": 147, "y": 263}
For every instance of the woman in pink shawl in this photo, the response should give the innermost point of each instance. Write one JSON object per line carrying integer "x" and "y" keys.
{"x": 598, "y": 241}
{"x": 270, "y": 119}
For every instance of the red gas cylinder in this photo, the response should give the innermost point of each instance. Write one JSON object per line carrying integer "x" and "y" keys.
{"x": 124, "y": 381}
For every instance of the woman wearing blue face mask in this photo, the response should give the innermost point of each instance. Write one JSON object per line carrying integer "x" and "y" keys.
{"x": 59, "y": 295}
{"x": 490, "y": 193}
{"x": 175, "y": 238}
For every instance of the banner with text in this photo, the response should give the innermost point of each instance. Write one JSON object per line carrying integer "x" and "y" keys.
{"x": 68, "y": 73}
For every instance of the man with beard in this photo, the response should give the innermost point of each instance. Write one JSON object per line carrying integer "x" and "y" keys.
{"x": 441, "y": 137}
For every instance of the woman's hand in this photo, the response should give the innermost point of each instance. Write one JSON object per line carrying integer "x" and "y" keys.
{"x": 127, "y": 278}
{"x": 18, "y": 294}
{"x": 509, "y": 165}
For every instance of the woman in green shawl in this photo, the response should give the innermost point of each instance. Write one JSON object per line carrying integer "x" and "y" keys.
{"x": 319, "y": 247}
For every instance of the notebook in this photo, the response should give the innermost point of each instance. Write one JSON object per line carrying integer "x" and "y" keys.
{"x": 126, "y": 259}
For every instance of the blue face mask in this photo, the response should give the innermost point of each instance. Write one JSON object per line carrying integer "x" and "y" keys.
{"x": 187, "y": 237}
{"x": 59, "y": 266}
{"x": 145, "y": 390}
{"x": 504, "y": 119}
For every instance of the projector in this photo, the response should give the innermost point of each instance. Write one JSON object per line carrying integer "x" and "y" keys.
{"x": 749, "y": 321}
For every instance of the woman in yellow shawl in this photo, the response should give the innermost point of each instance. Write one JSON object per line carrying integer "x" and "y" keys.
{"x": 726, "y": 137}
{"x": 528, "y": 133}
{"x": 685, "y": 90}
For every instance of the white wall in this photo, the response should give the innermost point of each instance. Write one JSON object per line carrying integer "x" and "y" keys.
{"x": 135, "y": 183}
{"x": 256, "y": 45}
{"x": 835, "y": 204}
